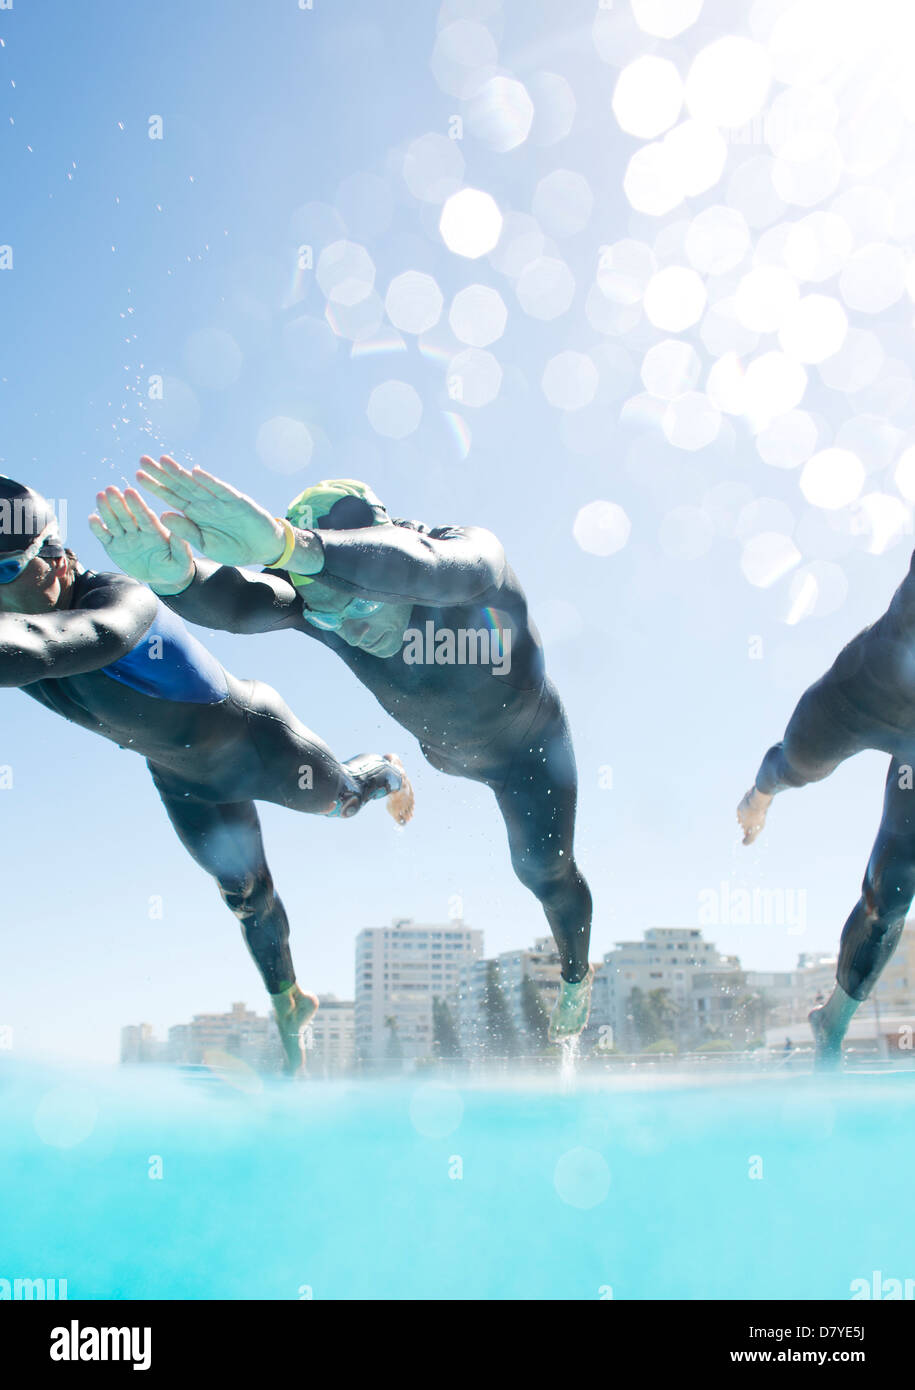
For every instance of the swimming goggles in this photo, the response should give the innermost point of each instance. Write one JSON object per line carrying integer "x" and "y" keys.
{"x": 356, "y": 608}
{"x": 12, "y": 565}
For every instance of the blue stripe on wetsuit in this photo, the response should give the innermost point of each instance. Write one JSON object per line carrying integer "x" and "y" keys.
{"x": 169, "y": 664}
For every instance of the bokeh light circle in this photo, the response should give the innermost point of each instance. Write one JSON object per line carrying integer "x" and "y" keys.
{"x": 545, "y": 288}
{"x": 832, "y": 478}
{"x": 648, "y": 96}
{"x": 474, "y": 377}
{"x": 394, "y": 409}
{"x": 675, "y": 298}
{"x": 471, "y": 223}
{"x": 814, "y": 328}
{"x": 563, "y": 202}
{"x": 601, "y": 528}
{"x": 728, "y": 81}
{"x": 664, "y": 19}
{"x": 413, "y": 302}
{"x": 478, "y": 315}
{"x": 717, "y": 240}
{"x": 345, "y": 272}
{"x": 284, "y": 444}
{"x": 691, "y": 421}
{"x": 768, "y": 557}
{"x": 670, "y": 367}
{"x": 501, "y": 114}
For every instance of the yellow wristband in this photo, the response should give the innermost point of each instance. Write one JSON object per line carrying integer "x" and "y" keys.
{"x": 288, "y": 548}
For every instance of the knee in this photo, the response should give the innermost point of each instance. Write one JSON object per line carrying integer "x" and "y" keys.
{"x": 546, "y": 877}
{"x": 247, "y": 895}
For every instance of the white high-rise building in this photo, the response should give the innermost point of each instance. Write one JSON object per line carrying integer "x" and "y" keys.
{"x": 789, "y": 995}
{"x": 668, "y": 958}
{"x": 400, "y": 970}
{"x": 140, "y": 1044}
{"x": 539, "y": 963}
{"x": 240, "y": 1033}
{"x": 331, "y": 1037}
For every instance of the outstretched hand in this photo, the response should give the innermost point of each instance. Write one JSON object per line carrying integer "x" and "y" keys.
{"x": 138, "y": 542}
{"x": 218, "y": 520}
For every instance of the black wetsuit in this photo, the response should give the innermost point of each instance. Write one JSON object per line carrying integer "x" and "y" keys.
{"x": 507, "y": 730}
{"x": 866, "y": 700}
{"x": 118, "y": 663}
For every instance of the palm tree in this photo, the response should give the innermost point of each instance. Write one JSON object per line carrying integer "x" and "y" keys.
{"x": 393, "y": 1048}
{"x": 445, "y": 1041}
{"x": 536, "y": 1018}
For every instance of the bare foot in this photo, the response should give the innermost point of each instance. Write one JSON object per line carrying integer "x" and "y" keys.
{"x": 571, "y": 1010}
{"x": 399, "y": 804}
{"x": 293, "y": 1011}
{"x": 751, "y": 813}
{"x": 828, "y": 1056}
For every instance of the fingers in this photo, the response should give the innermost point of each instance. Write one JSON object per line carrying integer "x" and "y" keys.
{"x": 188, "y": 485}
{"x": 168, "y": 480}
{"x": 182, "y": 526}
{"x": 118, "y": 505}
{"x": 146, "y": 518}
{"x": 217, "y": 487}
{"x": 159, "y": 489}
{"x": 107, "y": 516}
{"x": 99, "y": 529}
{"x": 114, "y": 512}
{"x": 181, "y": 544}
{"x": 166, "y": 471}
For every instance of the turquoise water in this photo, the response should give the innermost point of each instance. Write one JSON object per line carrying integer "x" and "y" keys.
{"x": 424, "y": 1189}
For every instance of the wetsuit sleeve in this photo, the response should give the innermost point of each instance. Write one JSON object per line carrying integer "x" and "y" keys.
{"x": 902, "y": 605}
{"x": 450, "y": 565}
{"x": 108, "y": 623}
{"x": 237, "y": 600}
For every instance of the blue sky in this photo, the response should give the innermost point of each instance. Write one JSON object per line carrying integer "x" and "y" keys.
{"x": 677, "y": 672}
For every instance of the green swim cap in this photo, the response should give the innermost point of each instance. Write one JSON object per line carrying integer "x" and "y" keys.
{"x": 336, "y": 504}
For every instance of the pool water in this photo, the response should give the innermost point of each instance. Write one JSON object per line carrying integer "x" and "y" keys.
{"x": 141, "y": 1183}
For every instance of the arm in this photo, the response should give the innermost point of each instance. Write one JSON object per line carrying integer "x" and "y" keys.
{"x": 107, "y": 625}
{"x": 201, "y": 591}
{"x": 901, "y": 611}
{"x": 389, "y": 563}
{"x": 393, "y": 563}
{"x": 235, "y": 600}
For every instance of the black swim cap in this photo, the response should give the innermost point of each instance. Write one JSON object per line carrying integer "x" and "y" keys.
{"x": 24, "y": 514}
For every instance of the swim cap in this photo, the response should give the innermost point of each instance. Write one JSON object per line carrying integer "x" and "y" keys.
{"x": 336, "y": 504}
{"x": 24, "y": 514}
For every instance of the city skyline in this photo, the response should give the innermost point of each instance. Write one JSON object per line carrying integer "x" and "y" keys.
{"x": 400, "y": 970}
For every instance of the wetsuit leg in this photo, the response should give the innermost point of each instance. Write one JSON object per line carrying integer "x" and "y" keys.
{"x": 298, "y": 770}
{"x": 820, "y": 735}
{"x": 873, "y": 930}
{"x": 537, "y": 798}
{"x": 225, "y": 840}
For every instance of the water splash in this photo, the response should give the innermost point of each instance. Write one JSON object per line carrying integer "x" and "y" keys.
{"x": 569, "y": 1052}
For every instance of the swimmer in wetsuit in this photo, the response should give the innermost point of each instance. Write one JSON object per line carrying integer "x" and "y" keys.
{"x": 866, "y": 700}
{"x": 104, "y": 652}
{"x": 434, "y": 623}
